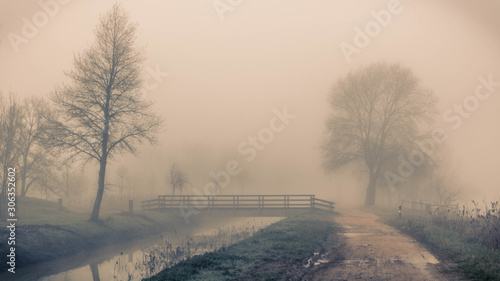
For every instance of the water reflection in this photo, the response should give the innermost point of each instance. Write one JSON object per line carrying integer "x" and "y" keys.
{"x": 95, "y": 271}
{"x": 168, "y": 250}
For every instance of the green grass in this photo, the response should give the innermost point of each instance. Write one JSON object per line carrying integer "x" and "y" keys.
{"x": 273, "y": 253}
{"x": 475, "y": 260}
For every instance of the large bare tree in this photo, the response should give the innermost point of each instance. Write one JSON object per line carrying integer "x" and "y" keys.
{"x": 101, "y": 113}
{"x": 377, "y": 112}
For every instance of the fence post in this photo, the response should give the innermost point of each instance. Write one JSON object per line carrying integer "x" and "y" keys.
{"x": 260, "y": 210}
{"x": 312, "y": 202}
{"x": 130, "y": 206}
{"x": 59, "y": 202}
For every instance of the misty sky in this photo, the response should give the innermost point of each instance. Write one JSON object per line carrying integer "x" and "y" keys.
{"x": 226, "y": 77}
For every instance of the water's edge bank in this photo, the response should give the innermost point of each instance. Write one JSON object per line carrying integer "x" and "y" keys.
{"x": 286, "y": 250}
{"x": 44, "y": 243}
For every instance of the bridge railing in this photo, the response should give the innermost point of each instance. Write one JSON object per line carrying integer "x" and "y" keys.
{"x": 324, "y": 205}
{"x": 238, "y": 202}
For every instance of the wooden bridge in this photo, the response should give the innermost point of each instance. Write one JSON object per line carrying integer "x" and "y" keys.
{"x": 242, "y": 205}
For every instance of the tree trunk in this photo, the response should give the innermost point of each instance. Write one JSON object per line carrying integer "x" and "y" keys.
{"x": 24, "y": 189}
{"x": 370, "y": 191}
{"x": 94, "y": 269}
{"x": 23, "y": 176}
{"x": 100, "y": 190}
{"x": 27, "y": 188}
{"x": 389, "y": 196}
{"x": 102, "y": 166}
{"x": 172, "y": 198}
{"x": 3, "y": 196}
{"x": 121, "y": 189}
{"x": 3, "y": 205}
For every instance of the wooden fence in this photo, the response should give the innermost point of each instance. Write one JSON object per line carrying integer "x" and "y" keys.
{"x": 429, "y": 207}
{"x": 234, "y": 202}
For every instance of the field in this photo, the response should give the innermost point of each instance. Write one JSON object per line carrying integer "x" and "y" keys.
{"x": 34, "y": 211}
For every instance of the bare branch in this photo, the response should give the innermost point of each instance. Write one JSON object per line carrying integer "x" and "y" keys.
{"x": 377, "y": 112}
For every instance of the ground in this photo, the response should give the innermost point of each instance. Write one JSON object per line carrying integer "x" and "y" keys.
{"x": 376, "y": 251}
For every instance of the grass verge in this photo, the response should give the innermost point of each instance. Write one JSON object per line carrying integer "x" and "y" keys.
{"x": 274, "y": 253}
{"x": 473, "y": 259}
{"x": 46, "y": 232}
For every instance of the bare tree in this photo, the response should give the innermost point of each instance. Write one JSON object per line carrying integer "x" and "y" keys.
{"x": 445, "y": 193}
{"x": 121, "y": 173}
{"x": 176, "y": 179}
{"x": 10, "y": 131}
{"x": 414, "y": 185}
{"x": 49, "y": 182}
{"x": 34, "y": 158}
{"x": 441, "y": 180}
{"x": 65, "y": 180}
{"x": 377, "y": 113}
{"x": 217, "y": 185}
{"x": 101, "y": 112}
{"x": 37, "y": 170}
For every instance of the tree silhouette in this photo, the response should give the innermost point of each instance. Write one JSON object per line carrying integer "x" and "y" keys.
{"x": 101, "y": 113}
{"x": 377, "y": 112}
{"x": 176, "y": 179}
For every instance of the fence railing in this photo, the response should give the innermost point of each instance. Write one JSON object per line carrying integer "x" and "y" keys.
{"x": 238, "y": 202}
{"x": 413, "y": 205}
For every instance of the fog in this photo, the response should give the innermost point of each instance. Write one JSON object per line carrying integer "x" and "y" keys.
{"x": 222, "y": 79}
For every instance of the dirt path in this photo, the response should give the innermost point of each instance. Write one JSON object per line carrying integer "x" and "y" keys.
{"x": 376, "y": 251}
